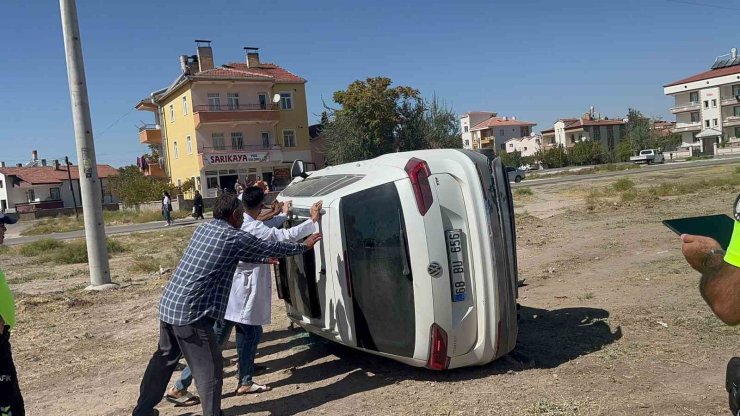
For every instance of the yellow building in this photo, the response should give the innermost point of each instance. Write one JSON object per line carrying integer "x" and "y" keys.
{"x": 238, "y": 121}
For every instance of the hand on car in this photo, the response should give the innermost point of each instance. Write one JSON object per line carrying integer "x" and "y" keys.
{"x": 696, "y": 249}
{"x": 287, "y": 205}
{"x": 316, "y": 211}
{"x": 312, "y": 240}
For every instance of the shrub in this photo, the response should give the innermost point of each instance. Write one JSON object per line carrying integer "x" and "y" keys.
{"x": 523, "y": 192}
{"x": 70, "y": 253}
{"x": 40, "y": 247}
{"x": 144, "y": 264}
{"x": 623, "y": 184}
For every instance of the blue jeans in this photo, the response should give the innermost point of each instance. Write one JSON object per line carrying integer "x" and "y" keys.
{"x": 223, "y": 331}
{"x": 247, "y": 338}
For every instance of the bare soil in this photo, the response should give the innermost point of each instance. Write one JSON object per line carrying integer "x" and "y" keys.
{"x": 611, "y": 323}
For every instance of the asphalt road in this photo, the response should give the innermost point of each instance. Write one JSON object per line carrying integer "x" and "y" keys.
{"x": 109, "y": 230}
{"x": 643, "y": 169}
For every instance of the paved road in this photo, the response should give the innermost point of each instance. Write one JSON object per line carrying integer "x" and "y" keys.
{"x": 643, "y": 169}
{"x": 109, "y": 230}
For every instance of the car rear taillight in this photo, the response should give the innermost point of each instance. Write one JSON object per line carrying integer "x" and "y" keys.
{"x": 419, "y": 173}
{"x": 438, "y": 359}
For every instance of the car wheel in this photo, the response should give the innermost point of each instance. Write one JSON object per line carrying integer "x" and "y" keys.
{"x": 518, "y": 179}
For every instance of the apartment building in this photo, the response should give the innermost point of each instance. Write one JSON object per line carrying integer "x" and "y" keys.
{"x": 527, "y": 146}
{"x": 707, "y": 105}
{"x": 493, "y": 132}
{"x": 237, "y": 121}
{"x": 468, "y": 121}
{"x": 567, "y": 132}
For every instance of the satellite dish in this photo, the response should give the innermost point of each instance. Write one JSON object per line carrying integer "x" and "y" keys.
{"x": 276, "y": 98}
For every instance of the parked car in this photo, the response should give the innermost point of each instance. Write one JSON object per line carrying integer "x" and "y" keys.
{"x": 514, "y": 174}
{"x": 649, "y": 156}
{"x": 418, "y": 260}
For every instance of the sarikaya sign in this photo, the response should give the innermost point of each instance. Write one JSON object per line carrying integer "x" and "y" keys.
{"x": 242, "y": 157}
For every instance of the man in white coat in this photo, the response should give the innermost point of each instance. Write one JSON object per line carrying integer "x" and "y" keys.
{"x": 250, "y": 299}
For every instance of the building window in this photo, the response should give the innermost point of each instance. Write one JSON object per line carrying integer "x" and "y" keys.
{"x": 179, "y": 183}
{"x": 501, "y": 132}
{"x": 695, "y": 117}
{"x": 218, "y": 141}
{"x": 572, "y": 138}
{"x": 263, "y": 100}
{"x": 714, "y": 103}
{"x": 184, "y": 105}
{"x": 212, "y": 182}
{"x": 289, "y": 138}
{"x": 237, "y": 140}
{"x": 466, "y": 128}
{"x": 3, "y": 205}
{"x": 467, "y": 143}
{"x": 189, "y": 145}
{"x": 503, "y": 146}
{"x": 176, "y": 152}
{"x": 737, "y": 132}
{"x": 715, "y": 123}
{"x": 735, "y": 112}
{"x": 265, "y": 140}
{"x": 286, "y": 101}
{"x": 597, "y": 133}
{"x": 214, "y": 101}
{"x": 172, "y": 113}
{"x": 31, "y": 195}
{"x": 511, "y": 144}
{"x": 706, "y": 103}
{"x": 706, "y": 123}
{"x": 694, "y": 97}
{"x": 525, "y": 148}
{"x": 54, "y": 194}
{"x": 1, "y": 184}
{"x": 233, "y": 99}
{"x": 736, "y": 90}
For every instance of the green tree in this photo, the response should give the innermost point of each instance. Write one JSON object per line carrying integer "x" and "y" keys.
{"x": 346, "y": 140}
{"x": 638, "y": 132}
{"x": 187, "y": 186}
{"x": 555, "y": 157}
{"x": 623, "y": 151}
{"x": 374, "y": 105}
{"x": 133, "y": 188}
{"x": 511, "y": 158}
{"x": 442, "y": 130}
{"x": 588, "y": 152}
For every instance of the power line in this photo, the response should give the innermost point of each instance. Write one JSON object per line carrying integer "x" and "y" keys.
{"x": 694, "y": 3}
{"x": 100, "y": 133}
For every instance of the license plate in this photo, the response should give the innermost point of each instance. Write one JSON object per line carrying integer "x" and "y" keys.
{"x": 456, "y": 256}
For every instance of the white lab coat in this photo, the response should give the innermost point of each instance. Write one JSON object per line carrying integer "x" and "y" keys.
{"x": 250, "y": 299}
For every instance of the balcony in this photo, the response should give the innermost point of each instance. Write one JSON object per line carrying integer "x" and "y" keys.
{"x": 731, "y": 100}
{"x": 731, "y": 121}
{"x": 686, "y": 127}
{"x": 220, "y": 155}
{"x": 682, "y": 108}
{"x": 150, "y": 134}
{"x": 236, "y": 113}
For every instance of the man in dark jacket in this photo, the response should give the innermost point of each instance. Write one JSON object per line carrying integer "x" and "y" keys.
{"x": 198, "y": 206}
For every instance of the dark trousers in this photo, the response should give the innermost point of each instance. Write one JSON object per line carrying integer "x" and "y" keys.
{"x": 198, "y": 343}
{"x": 247, "y": 339}
{"x": 11, "y": 401}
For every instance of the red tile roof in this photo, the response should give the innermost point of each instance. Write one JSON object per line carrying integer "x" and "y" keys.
{"x": 499, "y": 121}
{"x": 267, "y": 71}
{"x": 577, "y": 123}
{"x": 48, "y": 175}
{"x": 712, "y": 73}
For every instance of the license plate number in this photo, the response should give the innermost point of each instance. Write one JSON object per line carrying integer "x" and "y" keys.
{"x": 456, "y": 256}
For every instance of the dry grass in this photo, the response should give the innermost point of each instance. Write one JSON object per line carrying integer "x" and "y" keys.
{"x": 69, "y": 223}
{"x": 73, "y": 252}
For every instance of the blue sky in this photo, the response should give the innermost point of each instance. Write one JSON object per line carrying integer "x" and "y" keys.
{"x": 535, "y": 59}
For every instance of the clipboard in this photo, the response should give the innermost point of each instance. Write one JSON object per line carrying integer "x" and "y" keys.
{"x": 718, "y": 227}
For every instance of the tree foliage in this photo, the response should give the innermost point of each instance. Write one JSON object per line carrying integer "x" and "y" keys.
{"x": 376, "y": 118}
{"x": 589, "y": 152}
{"x": 555, "y": 157}
{"x": 133, "y": 188}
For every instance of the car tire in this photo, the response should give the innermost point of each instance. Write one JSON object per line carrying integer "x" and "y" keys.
{"x": 518, "y": 179}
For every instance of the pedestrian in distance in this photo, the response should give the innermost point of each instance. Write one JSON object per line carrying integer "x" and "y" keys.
{"x": 167, "y": 208}
{"x": 196, "y": 297}
{"x": 11, "y": 400}
{"x": 198, "y": 206}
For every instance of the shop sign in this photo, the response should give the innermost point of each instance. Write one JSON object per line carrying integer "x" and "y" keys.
{"x": 236, "y": 157}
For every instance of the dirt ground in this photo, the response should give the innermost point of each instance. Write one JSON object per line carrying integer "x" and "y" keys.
{"x": 611, "y": 323}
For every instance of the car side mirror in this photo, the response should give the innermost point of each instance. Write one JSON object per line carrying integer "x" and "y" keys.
{"x": 298, "y": 169}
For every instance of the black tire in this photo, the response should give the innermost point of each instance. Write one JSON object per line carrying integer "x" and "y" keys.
{"x": 518, "y": 179}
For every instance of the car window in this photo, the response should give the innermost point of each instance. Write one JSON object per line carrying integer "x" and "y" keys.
{"x": 510, "y": 169}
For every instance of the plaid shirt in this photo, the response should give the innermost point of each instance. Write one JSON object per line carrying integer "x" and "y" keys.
{"x": 200, "y": 285}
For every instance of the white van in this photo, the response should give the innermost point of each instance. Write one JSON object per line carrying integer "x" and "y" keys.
{"x": 418, "y": 259}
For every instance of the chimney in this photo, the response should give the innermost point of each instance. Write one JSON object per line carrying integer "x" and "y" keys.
{"x": 205, "y": 54}
{"x": 506, "y": 118}
{"x": 19, "y": 165}
{"x": 34, "y": 156}
{"x": 55, "y": 162}
{"x": 733, "y": 53}
{"x": 43, "y": 162}
{"x": 184, "y": 64}
{"x": 253, "y": 57}
{"x": 2, "y": 164}
{"x": 513, "y": 118}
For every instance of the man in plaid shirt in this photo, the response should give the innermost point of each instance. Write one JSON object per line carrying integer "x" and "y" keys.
{"x": 196, "y": 296}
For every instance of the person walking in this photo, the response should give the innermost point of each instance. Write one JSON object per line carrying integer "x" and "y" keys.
{"x": 11, "y": 399}
{"x": 167, "y": 208}
{"x": 196, "y": 297}
{"x": 198, "y": 206}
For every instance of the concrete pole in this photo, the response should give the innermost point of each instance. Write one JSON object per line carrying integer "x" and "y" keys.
{"x": 92, "y": 206}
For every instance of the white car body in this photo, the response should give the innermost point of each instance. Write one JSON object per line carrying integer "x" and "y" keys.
{"x": 649, "y": 156}
{"x": 456, "y": 306}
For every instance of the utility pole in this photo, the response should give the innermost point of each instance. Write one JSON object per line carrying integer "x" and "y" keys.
{"x": 71, "y": 186}
{"x": 92, "y": 207}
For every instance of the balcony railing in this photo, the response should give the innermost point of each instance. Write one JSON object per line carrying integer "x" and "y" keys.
{"x": 244, "y": 148}
{"x": 684, "y": 127}
{"x": 149, "y": 127}
{"x": 691, "y": 105}
{"x": 235, "y": 107}
{"x": 732, "y": 121}
{"x": 731, "y": 100}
